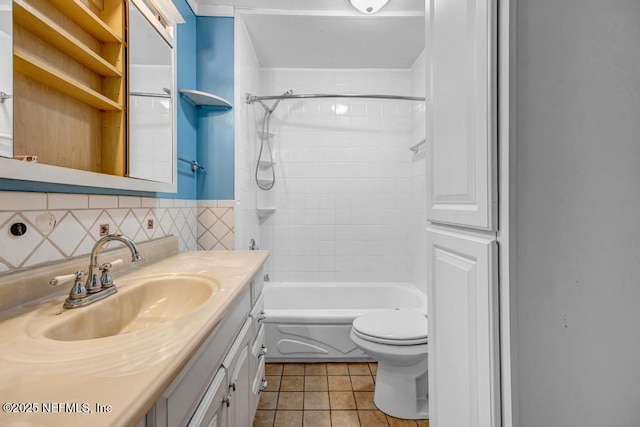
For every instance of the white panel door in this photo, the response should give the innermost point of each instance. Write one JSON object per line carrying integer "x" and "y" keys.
{"x": 463, "y": 330}
{"x": 461, "y": 100}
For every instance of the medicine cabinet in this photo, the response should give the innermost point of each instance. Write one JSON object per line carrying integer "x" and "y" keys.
{"x": 72, "y": 109}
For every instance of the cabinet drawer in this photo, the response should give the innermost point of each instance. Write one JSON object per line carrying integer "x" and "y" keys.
{"x": 257, "y": 314}
{"x": 257, "y": 283}
{"x": 258, "y": 348}
{"x": 182, "y": 397}
{"x": 259, "y": 380}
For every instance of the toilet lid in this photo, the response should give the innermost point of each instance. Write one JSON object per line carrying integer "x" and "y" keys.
{"x": 393, "y": 325}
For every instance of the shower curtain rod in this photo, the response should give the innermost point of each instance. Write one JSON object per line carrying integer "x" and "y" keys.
{"x": 252, "y": 98}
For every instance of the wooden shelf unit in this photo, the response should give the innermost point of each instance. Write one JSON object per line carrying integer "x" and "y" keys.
{"x": 29, "y": 17}
{"x": 70, "y": 83}
{"x": 82, "y": 15}
{"x": 40, "y": 71}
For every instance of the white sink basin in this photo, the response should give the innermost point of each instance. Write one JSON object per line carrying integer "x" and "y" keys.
{"x": 141, "y": 305}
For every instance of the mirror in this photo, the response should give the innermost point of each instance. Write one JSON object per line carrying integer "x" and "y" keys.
{"x": 151, "y": 142}
{"x": 6, "y": 80}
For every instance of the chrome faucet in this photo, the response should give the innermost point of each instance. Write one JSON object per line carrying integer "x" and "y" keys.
{"x": 97, "y": 287}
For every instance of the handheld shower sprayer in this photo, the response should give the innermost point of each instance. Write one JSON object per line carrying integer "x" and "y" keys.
{"x": 265, "y": 137}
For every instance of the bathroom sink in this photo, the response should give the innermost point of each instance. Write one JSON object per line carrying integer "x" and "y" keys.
{"x": 142, "y": 305}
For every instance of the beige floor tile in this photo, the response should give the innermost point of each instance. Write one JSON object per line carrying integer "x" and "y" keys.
{"x": 359, "y": 369}
{"x": 316, "y": 400}
{"x": 372, "y": 419}
{"x": 268, "y": 400}
{"x": 316, "y": 369}
{"x": 337, "y": 369}
{"x": 342, "y": 400}
{"x": 273, "y": 369}
{"x": 339, "y": 382}
{"x": 293, "y": 369}
{"x": 362, "y": 383}
{"x": 316, "y": 419}
{"x": 264, "y": 418}
{"x": 397, "y": 422}
{"x": 423, "y": 423}
{"x": 290, "y": 400}
{"x": 315, "y": 383}
{"x": 364, "y": 400}
{"x": 374, "y": 368}
{"x": 288, "y": 419}
{"x": 273, "y": 382}
{"x": 292, "y": 383}
{"x": 345, "y": 419}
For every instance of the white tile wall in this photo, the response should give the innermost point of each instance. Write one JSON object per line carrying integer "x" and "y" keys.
{"x": 61, "y": 226}
{"x": 247, "y": 80}
{"x": 344, "y": 178}
{"x": 417, "y": 203}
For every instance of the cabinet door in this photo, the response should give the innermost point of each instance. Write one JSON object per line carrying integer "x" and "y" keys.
{"x": 213, "y": 410}
{"x": 461, "y": 82}
{"x": 463, "y": 330}
{"x": 237, "y": 365}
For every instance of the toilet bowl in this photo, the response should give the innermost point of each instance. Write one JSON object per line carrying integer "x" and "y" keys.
{"x": 397, "y": 339}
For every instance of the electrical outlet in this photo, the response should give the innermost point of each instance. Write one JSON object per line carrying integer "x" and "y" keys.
{"x": 149, "y": 224}
{"x": 104, "y": 229}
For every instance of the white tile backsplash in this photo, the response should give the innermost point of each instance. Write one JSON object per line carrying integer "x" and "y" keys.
{"x": 61, "y": 226}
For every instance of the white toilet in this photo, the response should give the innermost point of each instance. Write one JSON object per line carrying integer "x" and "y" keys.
{"x": 397, "y": 339}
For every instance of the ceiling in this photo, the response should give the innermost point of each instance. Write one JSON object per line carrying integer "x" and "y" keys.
{"x": 216, "y": 7}
{"x": 327, "y": 33}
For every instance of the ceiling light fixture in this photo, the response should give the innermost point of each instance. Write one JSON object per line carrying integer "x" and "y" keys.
{"x": 368, "y": 6}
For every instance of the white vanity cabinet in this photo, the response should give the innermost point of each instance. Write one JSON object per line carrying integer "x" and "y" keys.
{"x": 217, "y": 388}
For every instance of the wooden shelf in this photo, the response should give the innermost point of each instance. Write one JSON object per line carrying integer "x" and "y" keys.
{"x": 205, "y": 100}
{"x": 40, "y": 71}
{"x": 87, "y": 20}
{"x": 49, "y": 31}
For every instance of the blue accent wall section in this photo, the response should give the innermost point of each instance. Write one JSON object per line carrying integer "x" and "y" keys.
{"x": 187, "y": 116}
{"x": 215, "y": 73}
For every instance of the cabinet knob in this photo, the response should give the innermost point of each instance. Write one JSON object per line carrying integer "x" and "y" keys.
{"x": 261, "y": 316}
{"x": 263, "y": 351}
{"x": 227, "y": 400}
{"x": 264, "y": 385}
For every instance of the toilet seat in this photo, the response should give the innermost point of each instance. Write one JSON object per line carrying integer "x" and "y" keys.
{"x": 394, "y": 327}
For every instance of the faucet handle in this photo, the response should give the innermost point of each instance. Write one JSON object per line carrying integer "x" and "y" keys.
{"x": 106, "y": 281}
{"x": 78, "y": 290}
{"x": 109, "y": 265}
{"x": 59, "y": 280}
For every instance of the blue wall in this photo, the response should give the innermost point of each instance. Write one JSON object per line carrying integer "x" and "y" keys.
{"x": 187, "y": 116}
{"x": 214, "y": 70}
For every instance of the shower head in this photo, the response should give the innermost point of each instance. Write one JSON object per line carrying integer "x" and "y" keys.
{"x": 283, "y": 96}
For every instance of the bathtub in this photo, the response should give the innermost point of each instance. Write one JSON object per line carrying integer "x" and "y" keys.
{"x": 311, "y": 321}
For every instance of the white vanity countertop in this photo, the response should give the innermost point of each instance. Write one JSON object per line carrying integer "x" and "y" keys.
{"x": 127, "y": 372}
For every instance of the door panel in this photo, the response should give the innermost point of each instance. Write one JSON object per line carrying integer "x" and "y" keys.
{"x": 463, "y": 330}
{"x": 461, "y": 81}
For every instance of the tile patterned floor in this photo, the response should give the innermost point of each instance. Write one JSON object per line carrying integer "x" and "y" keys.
{"x": 323, "y": 395}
